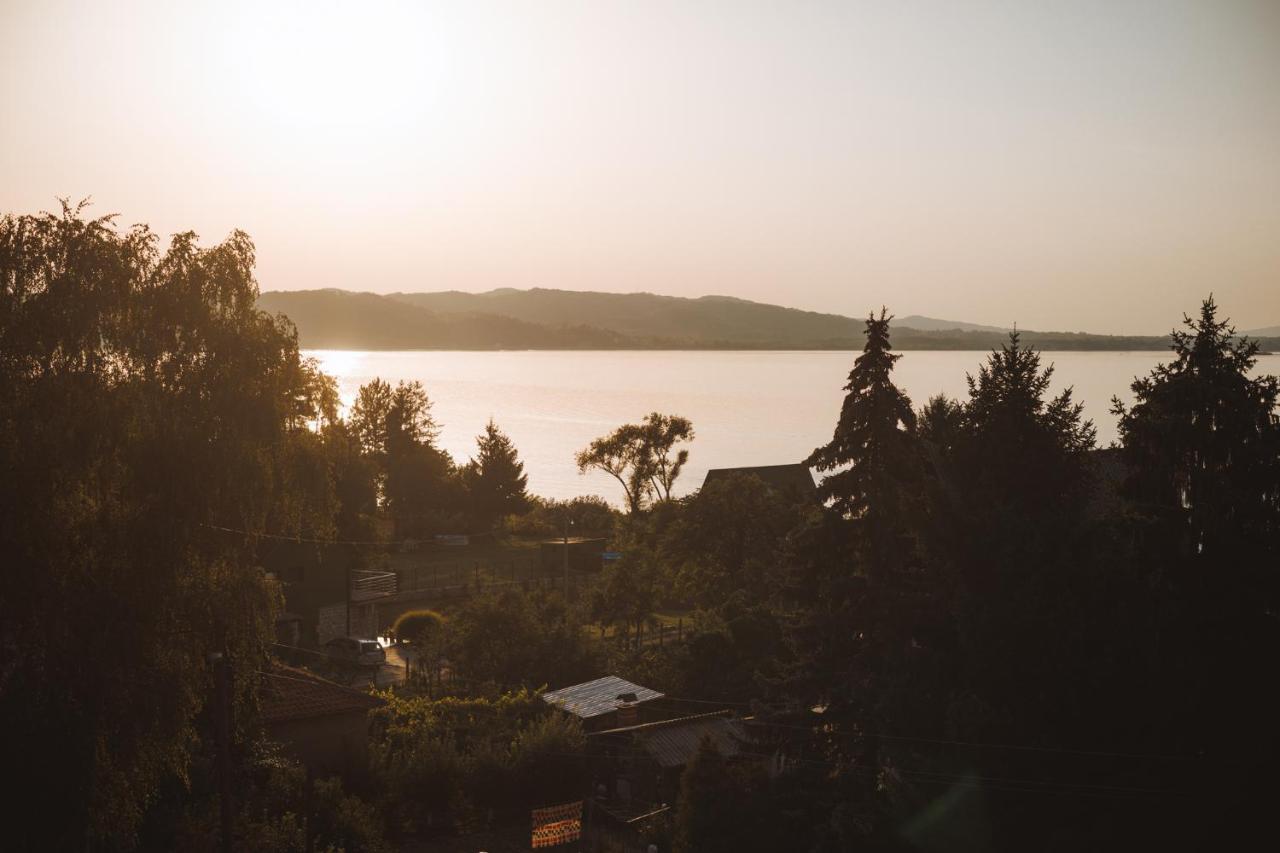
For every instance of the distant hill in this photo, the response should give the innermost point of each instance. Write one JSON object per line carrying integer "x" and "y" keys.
{"x": 1266, "y": 332}
{"x": 339, "y": 319}
{"x": 929, "y": 324}
{"x": 646, "y": 315}
{"x": 563, "y": 319}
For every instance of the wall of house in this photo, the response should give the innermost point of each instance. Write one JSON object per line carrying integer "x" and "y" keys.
{"x": 334, "y": 744}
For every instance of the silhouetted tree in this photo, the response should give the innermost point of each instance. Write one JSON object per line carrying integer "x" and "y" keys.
{"x": 417, "y": 480}
{"x": 732, "y": 534}
{"x": 639, "y": 457}
{"x": 872, "y": 449}
{"x": 662, "y": 461}
{"x": 149, "y": 408}
{"x": 709, "y": 814}
{"x": 1202, "y": 441}
{"x": 495, "y": 478}
{"x": 1201, "y": 446}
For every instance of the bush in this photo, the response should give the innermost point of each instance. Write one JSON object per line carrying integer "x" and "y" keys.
{"x": 417, "y": 625}
{"x": 591, "y": 516}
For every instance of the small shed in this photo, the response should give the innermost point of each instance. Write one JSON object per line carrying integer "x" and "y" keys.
{"x": 320, "y": 723}
{"x": 649, "y": 758}
{"x": 604, "y": 703}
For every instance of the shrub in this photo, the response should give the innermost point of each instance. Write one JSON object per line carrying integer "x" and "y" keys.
{"x": 417, "y": 625}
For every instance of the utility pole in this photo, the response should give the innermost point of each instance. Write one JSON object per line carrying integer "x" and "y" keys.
{"x": 222, "y": 731}
{"x": 567, "y": 524}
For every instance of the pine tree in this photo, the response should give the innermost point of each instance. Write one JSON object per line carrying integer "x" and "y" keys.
{"x": 1019, "y": 450}
{"x": 872, "y": 445}
{"x": 495, "y": 479}
{"x": 1202, "y": 440}
{"x": 1202, "y": 449}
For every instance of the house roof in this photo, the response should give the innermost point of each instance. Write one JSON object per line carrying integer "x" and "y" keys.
{"x": 288, "y": 693}
{"x": 790, "y": 478}
{"x": 593, "y": 698}
{"x": 672, "y": 743}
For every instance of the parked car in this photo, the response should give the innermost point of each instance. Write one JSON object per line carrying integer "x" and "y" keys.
{"x": 355, "y": 650}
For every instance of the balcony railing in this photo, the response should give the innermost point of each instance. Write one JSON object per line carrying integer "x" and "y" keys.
{"x": 367, "y": 585}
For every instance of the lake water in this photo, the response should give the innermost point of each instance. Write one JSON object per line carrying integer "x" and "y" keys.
{"x": 747, "y": 408}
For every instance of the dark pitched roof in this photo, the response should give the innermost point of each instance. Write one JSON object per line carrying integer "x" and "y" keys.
{"x": 672, "y": 743}
{"x": 593, "y": 698}
{"x": 787, "y": 478}
{"x": 288, "y": 693}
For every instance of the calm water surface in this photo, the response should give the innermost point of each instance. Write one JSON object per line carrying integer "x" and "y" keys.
{"x": 748, "y": 408}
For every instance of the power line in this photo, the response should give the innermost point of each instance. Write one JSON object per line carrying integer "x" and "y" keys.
{"x": 976, "y": 744}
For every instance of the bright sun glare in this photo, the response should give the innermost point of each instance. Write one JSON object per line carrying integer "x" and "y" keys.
{"x": 351, "y": 69}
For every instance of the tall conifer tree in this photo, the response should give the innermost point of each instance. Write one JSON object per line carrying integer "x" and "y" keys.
{"x": 871, "y": 451}
{"x": 495, "y": 478}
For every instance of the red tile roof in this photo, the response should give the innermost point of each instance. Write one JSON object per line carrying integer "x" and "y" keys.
{"x": 288, "y": 693}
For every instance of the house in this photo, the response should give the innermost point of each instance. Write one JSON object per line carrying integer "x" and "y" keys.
{"x": 327, "y": 591}
{"x": 605, "y": 703}
{"x": 647, "y": 759}
{"x": 791, "y": 480}
{"x": 320, "y": 723}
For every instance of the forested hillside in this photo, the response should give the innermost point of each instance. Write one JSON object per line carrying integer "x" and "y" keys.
{"x": 562, "y": 319}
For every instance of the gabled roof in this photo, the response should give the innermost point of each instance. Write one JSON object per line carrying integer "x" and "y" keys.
{"x": 784, "y": 478}
{"x": 672, "y": 743}
{"x": 593, "y": 698}
{"x": 288, "y": 693}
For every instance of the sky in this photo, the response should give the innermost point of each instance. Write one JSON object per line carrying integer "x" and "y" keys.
{"x": 1072, "y": 165}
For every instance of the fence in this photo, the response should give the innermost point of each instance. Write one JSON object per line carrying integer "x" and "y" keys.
{"x": 463, "y": 578}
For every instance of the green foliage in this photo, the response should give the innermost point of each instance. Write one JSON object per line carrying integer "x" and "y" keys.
{"x": 510, "y": 638}
{"x": 642, "y": 457}
{"x": 495, "y": 478}
{"x": 418, "y": 481}
{"x": 145, "y": 397}
{"x": 344, "y": 822}
{"x": 588, "y": 515}
{"x": 441, "y": 762}
{"x": 417, "y": 625}
{"x": 710, "y": 807}
{"x": 732, "y": 534}
{"x": 626, "y": 592}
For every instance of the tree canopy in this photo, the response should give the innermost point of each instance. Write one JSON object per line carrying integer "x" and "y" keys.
{"x": 154, "y": 422}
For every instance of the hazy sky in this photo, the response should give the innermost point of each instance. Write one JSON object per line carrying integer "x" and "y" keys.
{"x": 1076, "y": 164}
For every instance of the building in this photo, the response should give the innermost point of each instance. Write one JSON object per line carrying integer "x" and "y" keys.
{"x": 605, "y": 703}
{"x": 320, "y": 723}
{"x": 327, "y": 591}
{"x": 646, "y": 760}
{"x": 791, "y": 480}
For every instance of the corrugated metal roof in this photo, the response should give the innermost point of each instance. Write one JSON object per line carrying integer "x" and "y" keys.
{"x": 593, "y": 698}
{"x": 674, "y": 745}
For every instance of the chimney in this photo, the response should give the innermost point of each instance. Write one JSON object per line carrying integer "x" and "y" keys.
{"x": 628, "y": 713}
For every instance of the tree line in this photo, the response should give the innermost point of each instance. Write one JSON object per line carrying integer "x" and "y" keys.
{"x": 988, "y": 634}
